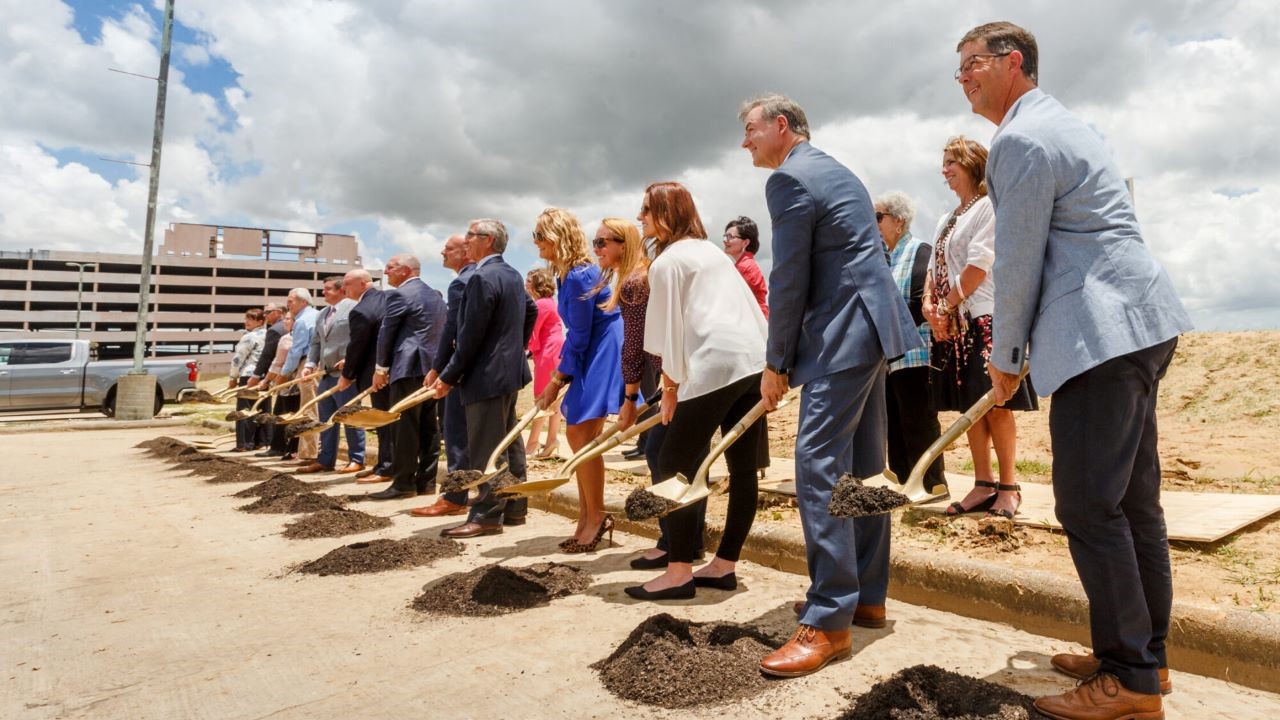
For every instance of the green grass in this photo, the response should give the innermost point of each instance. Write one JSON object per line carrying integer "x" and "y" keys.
{"x": 1024, "y": 467}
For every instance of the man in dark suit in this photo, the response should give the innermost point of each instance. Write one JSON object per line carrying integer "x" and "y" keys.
{"x": 365, "y": 321}
{"x": 412, "y": 321}
{"x": 835, "y": 317}
{"x": 495, "y": 320}
{"x": 453, "y": 419}
{"x": 275, "y": 330}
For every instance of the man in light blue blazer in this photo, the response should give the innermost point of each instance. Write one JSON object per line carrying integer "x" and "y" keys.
{"x": 1079, "y": 293}
{"x": 835, "y": 319}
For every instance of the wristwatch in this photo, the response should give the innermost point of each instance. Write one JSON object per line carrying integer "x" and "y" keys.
{"x": 776, "y": 371}
{"x": 633, "y": 397}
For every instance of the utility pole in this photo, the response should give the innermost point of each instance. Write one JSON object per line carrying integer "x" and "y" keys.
{"x": 135, "y": 393}
{"x": 80, "y": 289}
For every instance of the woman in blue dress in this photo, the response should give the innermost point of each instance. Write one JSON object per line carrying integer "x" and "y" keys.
{"x": 590, "y": 362}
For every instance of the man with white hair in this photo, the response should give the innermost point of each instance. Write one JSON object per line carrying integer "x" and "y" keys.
{"x": 304, "y": 324}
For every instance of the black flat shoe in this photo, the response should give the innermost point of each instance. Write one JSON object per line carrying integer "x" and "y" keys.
{"x": 724, "y": 582}
{"x": 680, "y": 592}
{"x": 633, "y": 454}
{"x": 644, "y": 563}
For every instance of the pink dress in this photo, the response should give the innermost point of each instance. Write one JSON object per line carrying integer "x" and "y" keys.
{"x": 544, "y": 344}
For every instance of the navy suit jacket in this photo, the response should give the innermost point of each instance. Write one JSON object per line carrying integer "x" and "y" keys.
{"x": 833, "y": 303}
{"x": 450, "y": 334}
{"x": 495, "y": 320}
{"x": 365, "y": 321}
{"x": 412, "y": 320}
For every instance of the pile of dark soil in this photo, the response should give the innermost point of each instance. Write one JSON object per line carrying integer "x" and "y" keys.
{"x": 497, "y": 590}
{"x": 266, "y": 418}
{"x": 209, "y": 465}
{"x": 239, "y": 473}
{"x": 297, "y": 429}
{"x": 676, "y": 663}
{"x": 379, "y": 555}
{"x": 275, "y": 486}
{"x": 307, "y": 502}
{"x": 200, "y": 396}
{"x": 852, "y": 499}
{"x": 457, "y": 480}
{"x": 164, "y": 446}
{"x": 642, "y": 505}
{"x": 927, "y": 692}
{"x": 235, "y": 415}
{"x": 334, "y": 523}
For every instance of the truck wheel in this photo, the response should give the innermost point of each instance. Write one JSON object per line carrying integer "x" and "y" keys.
{"x": 159, "y": 402}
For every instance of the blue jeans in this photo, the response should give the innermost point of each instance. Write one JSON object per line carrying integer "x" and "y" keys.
{"x": 329, "y": 438}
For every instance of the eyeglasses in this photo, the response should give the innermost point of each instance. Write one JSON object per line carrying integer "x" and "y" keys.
{"x": 967, "y": 66}
{"x": 727, "y": 236}
{"x": 539, "y": 237}
{"x": 599, "y": 243}
{"x": 471, "y": 234}
{"x": 881, "y": 215}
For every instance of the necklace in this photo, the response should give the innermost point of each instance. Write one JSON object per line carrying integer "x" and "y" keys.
{"x": 968, "y": 205}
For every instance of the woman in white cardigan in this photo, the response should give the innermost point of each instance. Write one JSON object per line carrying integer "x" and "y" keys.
{"x": 704, "y": 323}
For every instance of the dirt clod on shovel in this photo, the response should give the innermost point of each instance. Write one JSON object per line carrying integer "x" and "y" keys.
{"x": 497, "y": 589}
{"x": 297, "y": 429}
{"x": 675, "y": 663}
{"x": 852, "y": 499}
{"x": 642, "y": 505}
{"x": 927, "y": 692}
{"x": 334, "y": 523}
{"x": 277, "y": 485}
{"x": 457, "y": 480}
{"x": 200, "y": 396}
{"x": 380, "y": 555}
{"x": 301, "y": 503}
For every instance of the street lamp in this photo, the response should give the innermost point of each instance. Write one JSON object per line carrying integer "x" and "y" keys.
{"x": 80, "y": 288}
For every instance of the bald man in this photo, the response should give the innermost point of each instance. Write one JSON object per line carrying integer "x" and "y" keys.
{"x": 365, "y": 321}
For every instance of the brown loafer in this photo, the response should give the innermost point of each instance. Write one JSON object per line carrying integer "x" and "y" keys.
{"x": 440, "y": 508}
{"x": 1082, "y": 666}
{"x": 867, "y": 616}
{"x": 470, "y": 530}
{"x": 1102, "y": 697}
{"x": 808, "y": 651}
{"x": 366, "y": 473}
{"x": 351, "y": 468}
{"x": 314, "y": 467}
{"x": 372, "y": 480}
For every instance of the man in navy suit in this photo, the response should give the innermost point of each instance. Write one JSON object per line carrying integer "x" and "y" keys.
{"x": 495, "y": 320}
{"x": 453, "y": 419}
{"x": 365, "y": 321}
{"x": 1077, "y": 290}
{"x": 835, "y": 319}
{"x": 412, "y": 321}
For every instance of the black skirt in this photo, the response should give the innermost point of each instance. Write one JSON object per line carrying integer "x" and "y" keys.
{"x": 958, "y": 376}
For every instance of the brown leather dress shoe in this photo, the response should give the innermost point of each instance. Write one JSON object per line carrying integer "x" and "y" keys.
{"x": 1102, "y": 697}
{"x": 1082, "y": 666}
{"x": 366, "y": 473}
{"x": 440, "y": 508}
{"x": 314, "y": 467}
{"x": 808, "y": 651}
{"x": 470, "y": 530}
{"x": 867, "y": 616}
{"x": 372, "y": 479}
{"x": 351, "y": 468}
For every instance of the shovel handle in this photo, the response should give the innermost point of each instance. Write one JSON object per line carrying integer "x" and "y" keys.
{"x": 416, "y": 397}
{"x": 609, "y": 444}
{"x": 314, "y": 400}
{"x": 356, "y": 400}
{"x": 510, "y": 437}
{"x": 736, "y": 432}
{"x": 281, "y": 386}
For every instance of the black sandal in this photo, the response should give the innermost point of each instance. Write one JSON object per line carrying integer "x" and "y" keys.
{"x": 957, "y": 508}
{"x": 1002, "y": 512}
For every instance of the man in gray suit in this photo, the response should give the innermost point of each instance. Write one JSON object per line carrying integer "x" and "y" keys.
{"x": 325, "y": 359}
{"x": 835, "y": 319}
{"x": 1078, "y": 292}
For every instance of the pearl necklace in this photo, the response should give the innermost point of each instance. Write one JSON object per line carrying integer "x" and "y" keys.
{"x": 968, "y": 205}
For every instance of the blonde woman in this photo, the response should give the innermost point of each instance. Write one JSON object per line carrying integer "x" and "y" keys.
{"x": 590, "y": 362}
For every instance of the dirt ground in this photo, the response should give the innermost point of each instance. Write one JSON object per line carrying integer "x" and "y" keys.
{"x": 135, "y": 591}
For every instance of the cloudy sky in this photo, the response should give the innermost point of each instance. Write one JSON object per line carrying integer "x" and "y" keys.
{"x": 399, "y": 120}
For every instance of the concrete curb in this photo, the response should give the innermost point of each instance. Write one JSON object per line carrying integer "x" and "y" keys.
{"x": 1233, "y": 645}
{"x": 103, "y": 424}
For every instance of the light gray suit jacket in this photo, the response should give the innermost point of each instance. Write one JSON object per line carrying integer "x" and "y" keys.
{"x": 833, "y": 302}
{"x": 1073, "y": 278}
{"x": 330, "y": 346}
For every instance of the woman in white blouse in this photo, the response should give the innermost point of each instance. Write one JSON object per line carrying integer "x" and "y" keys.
{"x": 706, "y": 326}
{"x": 958, "y": 299}
{"x": 249, "y": 435}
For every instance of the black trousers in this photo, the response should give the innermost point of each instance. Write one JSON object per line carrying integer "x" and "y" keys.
{"x": 381, "y": 400}
{"x": 683, "y": 449}
{"x": 248, "y": 432}
{"x": 1106, "y": 484}
{"x": 487, "y": 422}
{"x": 414, "y": 465}
{"x": 913, "y": 424}
{"x": 283, "y": 405}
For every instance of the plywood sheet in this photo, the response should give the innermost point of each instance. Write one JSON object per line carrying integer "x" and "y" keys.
{"x": 242, "y": 241}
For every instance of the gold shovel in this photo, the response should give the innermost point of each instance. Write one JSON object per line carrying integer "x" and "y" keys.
{"x": 253, "y": 410}
{"x": 299, "y": 416}
{"x": 491, "y": 467}
{"x": 607, "y": 441}
{"x": 301, "y": 429}
{"x": 373, "y": 418}
{"x": 213, "y": 442}
{"x": 684, "y": 493}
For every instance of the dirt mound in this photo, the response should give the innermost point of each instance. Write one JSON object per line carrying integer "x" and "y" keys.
{"x": 379, "y": 555}
{"x": 164, "y": 446}
{"x": 239, "y": 473}
{"x": 497, "y": 590}
{"x": 334, "y": 523}
{"x": 275, "y": 486}
{"x": 200, "y": 396}
{"x": 199, "y": 464}
{"x": 642, "y": 505}
{"x": 676, "y": 663}
{"x": 852, "y": 499}
{"x": 927, "y": 692}
{"x": 307, "y": 502}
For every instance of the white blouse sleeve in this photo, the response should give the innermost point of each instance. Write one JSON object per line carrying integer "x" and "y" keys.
{"x": 664, "y": 319}
{"x": 981, "y": 252}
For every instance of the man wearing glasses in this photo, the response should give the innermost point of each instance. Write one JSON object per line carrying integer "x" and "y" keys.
{"x": 1077, "y": 288}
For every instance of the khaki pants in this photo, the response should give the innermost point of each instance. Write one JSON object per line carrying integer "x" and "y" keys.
{"x": 309, "y": 444}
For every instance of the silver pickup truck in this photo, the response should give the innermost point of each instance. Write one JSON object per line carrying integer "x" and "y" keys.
{"x": 50, "y": 374}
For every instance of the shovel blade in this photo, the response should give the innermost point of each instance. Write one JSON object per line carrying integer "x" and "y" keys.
{"x": 673, "y": 489}
{"x": 369, "y": 418}
{"x": 532, "y": 487}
